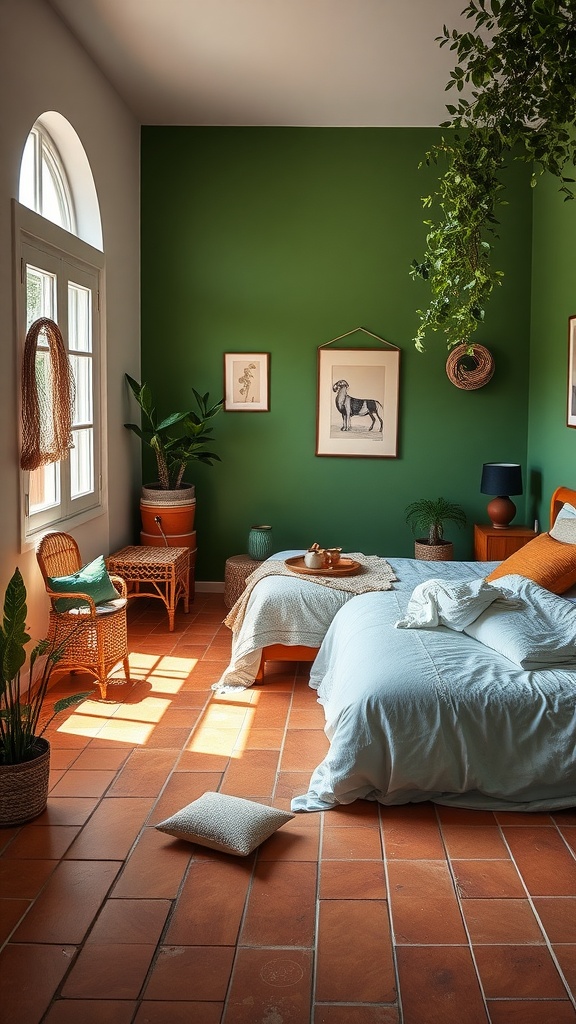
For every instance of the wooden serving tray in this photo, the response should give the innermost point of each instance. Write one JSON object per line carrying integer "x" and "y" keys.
{"x": 345, "y": 567}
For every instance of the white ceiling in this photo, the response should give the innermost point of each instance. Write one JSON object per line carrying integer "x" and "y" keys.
{"x": 271, "y": 62}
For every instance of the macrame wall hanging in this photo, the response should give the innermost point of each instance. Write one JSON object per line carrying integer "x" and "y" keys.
{"x": 48, "y": 393}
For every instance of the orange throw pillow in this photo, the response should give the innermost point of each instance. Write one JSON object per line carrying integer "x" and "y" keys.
{"x": 544, "y": 560}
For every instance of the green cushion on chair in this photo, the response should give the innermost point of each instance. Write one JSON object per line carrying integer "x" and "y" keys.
{"x": 91, "y": 579}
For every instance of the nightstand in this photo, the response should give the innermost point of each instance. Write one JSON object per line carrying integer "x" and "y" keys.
{"x": 492, "y": 545}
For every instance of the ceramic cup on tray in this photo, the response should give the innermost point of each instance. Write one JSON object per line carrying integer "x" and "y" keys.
{"x": 314, "y": 559}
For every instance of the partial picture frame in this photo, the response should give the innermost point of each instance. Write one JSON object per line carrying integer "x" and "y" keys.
{"x": 571, "y": 383}
{"x": 247, "y": 381}
{"x": 357, "y": 404}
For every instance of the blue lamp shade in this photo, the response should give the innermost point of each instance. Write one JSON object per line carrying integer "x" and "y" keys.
{"x": 501, "y": 479}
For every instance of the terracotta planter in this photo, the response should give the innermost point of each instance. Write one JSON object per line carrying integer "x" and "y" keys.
{"x": 171, "y": 519}
{"x": 168, "y": 519}
{"x": 24, "y": 787}
{"x": 168, "y": 512}
{"x": 443, "y": 552}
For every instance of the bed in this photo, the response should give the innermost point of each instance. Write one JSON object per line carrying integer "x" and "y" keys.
{"x": 481, "y": 716}
{"x": 287, "y": 616}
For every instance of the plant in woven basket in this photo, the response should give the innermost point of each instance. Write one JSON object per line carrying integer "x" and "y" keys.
{"x": 430, "y": 515}
{"x": 177, "y": 439}
{"x": 21, "y": 706}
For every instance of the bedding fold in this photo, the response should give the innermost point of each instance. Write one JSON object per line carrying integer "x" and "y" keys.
{"x": 438, "y": 602}
{"x": 535, "y": 629}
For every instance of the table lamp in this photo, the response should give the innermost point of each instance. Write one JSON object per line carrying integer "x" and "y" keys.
{"x": 501, "y": 479}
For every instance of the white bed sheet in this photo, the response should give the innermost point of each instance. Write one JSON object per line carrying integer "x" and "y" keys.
{"x": 296, "y": 611}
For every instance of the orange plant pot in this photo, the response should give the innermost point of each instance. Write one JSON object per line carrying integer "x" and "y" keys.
{"x": 174, "y": 519}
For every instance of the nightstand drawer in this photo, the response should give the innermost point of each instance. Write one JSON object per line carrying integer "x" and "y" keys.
{"x": 493, "y": 545}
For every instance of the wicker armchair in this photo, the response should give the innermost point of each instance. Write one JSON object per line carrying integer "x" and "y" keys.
{"x": 94, "y": 639}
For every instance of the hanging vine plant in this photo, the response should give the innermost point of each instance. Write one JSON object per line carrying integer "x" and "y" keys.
{"x": 517, "y": 71}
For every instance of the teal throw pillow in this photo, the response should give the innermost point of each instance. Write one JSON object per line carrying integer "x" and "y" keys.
{"x": 92, "y": 579}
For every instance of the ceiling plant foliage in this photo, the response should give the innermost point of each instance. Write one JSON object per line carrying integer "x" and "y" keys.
{"x": 515, "y": 86}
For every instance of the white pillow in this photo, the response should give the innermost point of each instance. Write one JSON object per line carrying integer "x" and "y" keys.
{"x": 439, "y": 602}
{"x": 564, "y": 528}
{"x": 226, "y": 823}
{"x": 539, "y": 634}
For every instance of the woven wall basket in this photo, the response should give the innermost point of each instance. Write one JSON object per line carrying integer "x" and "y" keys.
{"x": 469, "y": 366}
{"x": 443, "y": 552}
{"x": 24, "y": 788}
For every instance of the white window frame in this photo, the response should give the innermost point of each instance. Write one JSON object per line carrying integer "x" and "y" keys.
{"x": 45, "y": 151}
{"x": 38, "y": 240}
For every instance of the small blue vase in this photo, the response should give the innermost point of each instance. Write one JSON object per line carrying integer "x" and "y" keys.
{"x": 260, "y": 543}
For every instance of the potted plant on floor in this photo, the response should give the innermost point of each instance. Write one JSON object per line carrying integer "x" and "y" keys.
{"x": 177, "y": 440}
{"x": 429, "y": 515}
{"x": 24, "y": 753}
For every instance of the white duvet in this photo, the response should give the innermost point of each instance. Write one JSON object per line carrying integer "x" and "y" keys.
{"x": 433, "y": 714}
{"x": 296, "y": 611}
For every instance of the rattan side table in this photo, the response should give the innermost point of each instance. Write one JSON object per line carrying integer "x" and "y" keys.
{"x": 162, "y": 573}
{"x": 238, "y": 569}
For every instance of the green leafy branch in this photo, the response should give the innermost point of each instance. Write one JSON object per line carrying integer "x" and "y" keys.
{"x": 516, "y": 71}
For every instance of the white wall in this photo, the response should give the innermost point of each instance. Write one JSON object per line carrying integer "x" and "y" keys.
{"x": 44, "y": 68}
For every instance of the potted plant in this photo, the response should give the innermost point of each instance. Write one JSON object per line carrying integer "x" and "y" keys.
{"x": 178, "y": 439}
{"x": 430, "y": 515}
{"x": 24, "y": 753}
{"x": 510, "y": 102}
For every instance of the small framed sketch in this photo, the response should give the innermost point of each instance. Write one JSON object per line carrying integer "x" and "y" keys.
{"x": 246, "y": 381}
{"x": 357, "y": 409}
{"x": 571, "y": 409}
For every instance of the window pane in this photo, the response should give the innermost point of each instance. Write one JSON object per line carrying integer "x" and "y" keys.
{"x": 82, "y": 370}
{"x": 43, "y": 182}
{"x": 40, "y": 297}
{"x": 79, "y": 318}
{"x": 51, "y": 201}
{"x": 82, "y": 463}
{"x": 27, "y": 187}
{"x": 44, "y": 488}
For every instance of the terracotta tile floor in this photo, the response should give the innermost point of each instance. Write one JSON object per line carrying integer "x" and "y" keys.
{"x": 465, "y": 918}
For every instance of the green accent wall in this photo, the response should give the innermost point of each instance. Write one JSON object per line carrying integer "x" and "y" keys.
{"x": 278, "y": 240}
{"x": 551, "y": 444}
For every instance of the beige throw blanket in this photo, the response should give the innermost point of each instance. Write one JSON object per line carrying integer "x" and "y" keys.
{"x": 375, "y": 574}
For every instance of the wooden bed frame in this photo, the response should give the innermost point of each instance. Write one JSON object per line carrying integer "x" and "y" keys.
{"x": 560, "y": 496}
{"x": 283, "y": 652}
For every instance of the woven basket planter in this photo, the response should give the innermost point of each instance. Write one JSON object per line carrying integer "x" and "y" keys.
{"x": 153, "y": 494}
{"x": 24, "y": 787}
{"x": 443, "y": 552}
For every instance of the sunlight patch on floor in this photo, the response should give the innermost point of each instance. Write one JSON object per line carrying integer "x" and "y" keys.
{"x": 82, "y": 724}
{"x": 149, "y": 709}
{"x": 166, "y": 674}
{"x": 137, "y": 733}
{"x": 221, "y": 731}
{"x": 174, "y": 671}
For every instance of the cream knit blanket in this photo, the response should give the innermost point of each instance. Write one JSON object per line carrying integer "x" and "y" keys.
{"x": 375, "y": 574}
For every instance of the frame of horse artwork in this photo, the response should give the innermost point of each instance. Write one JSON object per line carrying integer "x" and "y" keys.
{"x": 357, "y": 407}
{"x": 571, "y": 409}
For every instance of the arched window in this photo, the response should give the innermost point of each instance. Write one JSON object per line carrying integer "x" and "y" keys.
{"x": 61, "y": 277}
{"x": 43, "y": 181}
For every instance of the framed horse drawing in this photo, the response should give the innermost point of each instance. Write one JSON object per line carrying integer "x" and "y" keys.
{"x": 357, "y": 406}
